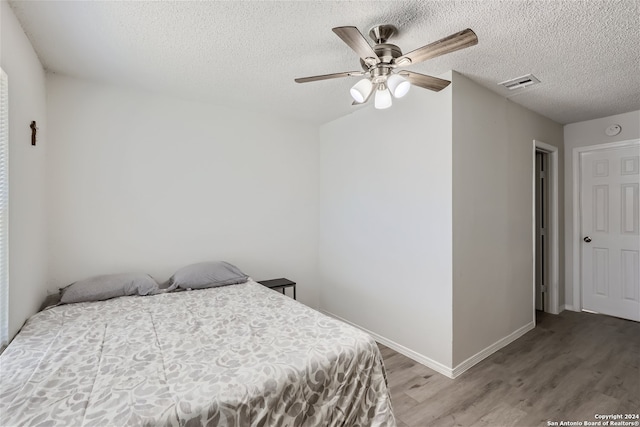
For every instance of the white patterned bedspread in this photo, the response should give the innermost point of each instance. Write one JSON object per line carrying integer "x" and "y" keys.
{"x": 239, "y": 355}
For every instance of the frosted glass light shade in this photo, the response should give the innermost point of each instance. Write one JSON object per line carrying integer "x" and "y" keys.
{"x": 383, "y": 98}
{"x": 361, "y": 90}
{"x": 398, "y": 85}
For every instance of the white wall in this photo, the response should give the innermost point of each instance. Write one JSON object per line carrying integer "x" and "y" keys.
{"x": 27, "y": 209}
{"x": 385, "y": 222}
{"x": 583, "y": 134}
{"x": 492, "y": 215}
{"x": 142, "y": 182}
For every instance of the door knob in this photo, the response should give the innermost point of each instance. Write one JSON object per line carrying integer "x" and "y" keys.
{"x": 587, "y": 239}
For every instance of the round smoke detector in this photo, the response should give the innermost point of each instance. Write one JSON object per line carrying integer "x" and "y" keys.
{"x": 613, "y": 130}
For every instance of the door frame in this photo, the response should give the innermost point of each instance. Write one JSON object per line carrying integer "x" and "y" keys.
{"x": 576, "y": 237}
{"x": 551, "y": 303}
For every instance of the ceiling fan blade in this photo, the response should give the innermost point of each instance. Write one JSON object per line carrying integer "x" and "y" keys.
{"x": 356, "y": 41}
{"x": 461, "y": 40}
{"x": 427, "y": 82}
{"x": 329, "y": 76}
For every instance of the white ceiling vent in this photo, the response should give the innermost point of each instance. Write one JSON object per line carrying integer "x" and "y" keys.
{"x": 520, "y": 82}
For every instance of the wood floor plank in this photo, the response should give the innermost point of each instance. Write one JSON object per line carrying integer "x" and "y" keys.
{"x": 569, "y": 367}
{"x": 592, "y": 403}
{"x": 502, "y": 414}
{"x": 403, "y": 404}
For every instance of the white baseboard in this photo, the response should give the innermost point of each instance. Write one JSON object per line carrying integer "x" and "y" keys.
{"x": 569, "y": 307}
{"x": 420, "y": 358}
{"x": 483, "y": 354}
{"x": 437, "y": 366}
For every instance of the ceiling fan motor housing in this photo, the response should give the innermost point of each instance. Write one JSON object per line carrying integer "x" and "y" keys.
{"x": 387, "y": 53}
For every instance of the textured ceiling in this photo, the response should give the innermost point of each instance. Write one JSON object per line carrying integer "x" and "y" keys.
{"x": 246, "y": 54}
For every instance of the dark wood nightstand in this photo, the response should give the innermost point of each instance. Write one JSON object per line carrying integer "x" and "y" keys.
{"x": 280, "y": 284}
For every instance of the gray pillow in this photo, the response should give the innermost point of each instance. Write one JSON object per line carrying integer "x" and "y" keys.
{"x": 207, "y": 275}
{"x": 108, "y": 286}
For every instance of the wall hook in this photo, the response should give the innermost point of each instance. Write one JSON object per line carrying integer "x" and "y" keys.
{"x": 34, "y": 129}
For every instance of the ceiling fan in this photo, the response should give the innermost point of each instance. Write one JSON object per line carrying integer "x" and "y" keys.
{"x": 379, "y": 64}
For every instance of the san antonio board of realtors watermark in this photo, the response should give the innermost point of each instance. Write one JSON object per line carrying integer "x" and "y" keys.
{"x": 607, "y": 420}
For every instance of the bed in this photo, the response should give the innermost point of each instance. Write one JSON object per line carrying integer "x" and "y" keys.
{"x": 238, "y": 355}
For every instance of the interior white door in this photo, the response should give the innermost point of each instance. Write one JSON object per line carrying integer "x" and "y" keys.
{"x": 610, "y": 267}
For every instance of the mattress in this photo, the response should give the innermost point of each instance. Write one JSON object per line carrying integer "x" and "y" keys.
{"x": 239, "y": 355}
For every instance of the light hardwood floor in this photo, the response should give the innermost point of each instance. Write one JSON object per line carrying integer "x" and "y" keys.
{"x": 569, "y": 368}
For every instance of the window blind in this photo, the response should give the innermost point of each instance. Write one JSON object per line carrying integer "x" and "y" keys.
{"x": 4, "y": 210}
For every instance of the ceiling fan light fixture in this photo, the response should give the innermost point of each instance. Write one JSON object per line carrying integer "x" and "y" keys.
{"x": 378, "y": 63}
{"x": 361, "y": 90}
{"x": 383, "y": 98}
{"x": 398, "y": 85}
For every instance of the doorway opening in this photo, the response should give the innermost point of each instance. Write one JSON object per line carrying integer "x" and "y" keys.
{"x": 545, "y": 228}
{"x": 542, "y": 223}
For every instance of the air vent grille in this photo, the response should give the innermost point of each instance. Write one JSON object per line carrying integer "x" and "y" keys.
{"x": 520, "y": 82}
